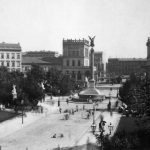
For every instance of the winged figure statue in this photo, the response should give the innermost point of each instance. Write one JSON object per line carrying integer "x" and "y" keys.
{"x": 91, "y": 41}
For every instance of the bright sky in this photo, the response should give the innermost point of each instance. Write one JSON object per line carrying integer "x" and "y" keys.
{"x": 121, "y": 26}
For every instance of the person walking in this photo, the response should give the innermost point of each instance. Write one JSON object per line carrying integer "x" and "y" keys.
{"x": 83, "y": 107}
{"x": 67, "y": 101}
{"x": 58, "y": 103}
{"x": 60, "y": 110}
{"x": 77, "y": 108}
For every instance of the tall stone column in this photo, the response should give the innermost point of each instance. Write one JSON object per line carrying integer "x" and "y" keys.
{"x": 92, "y": 63}
{"x": 92, "y": 81}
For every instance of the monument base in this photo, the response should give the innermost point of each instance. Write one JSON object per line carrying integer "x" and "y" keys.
{"x": 92, "y": 83}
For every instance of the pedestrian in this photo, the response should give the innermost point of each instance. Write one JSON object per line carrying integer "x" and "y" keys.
{"x": 58, "y": 103}
{"x": 41, "y": 109}
{"x": 111, "y": 113}
{"x": 83, "y": 107}
{"x": 77, "y": 108}
{"x": 67, "y": 101}
{"x": 60, "y": 110}
{"x": 72, "y": 112}
{"x": 93, "y": 113}
{"x": 89, "y": 112}
{"x": 88, "y": 115}
{"x": 117, "y": 103}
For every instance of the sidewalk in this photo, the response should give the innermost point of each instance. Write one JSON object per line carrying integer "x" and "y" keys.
{"x": 12, "y": 125}
{"x": 37, "y": 130}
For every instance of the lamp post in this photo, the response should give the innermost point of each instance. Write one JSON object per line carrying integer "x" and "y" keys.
{"x": 22, "y": 103}
{"x": 110, "y": 94}
{"x": 110, "y": 126}
{"x": 93, "y": 126}
{"x": 99, "y": 136}
{"x": 58, "y": 98}
{"x": 51, "y": 91}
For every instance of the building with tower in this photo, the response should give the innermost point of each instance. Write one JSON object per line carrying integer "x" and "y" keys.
{"x": 76, "y": 58}
{"x": 11, "y": 56}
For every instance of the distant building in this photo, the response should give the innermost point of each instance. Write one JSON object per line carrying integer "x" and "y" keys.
{"x": 55, "y": 62}
{"x": 124, "y": 66}
{"x": 27, "y": 63}
{"x": 76, "y": 58}
{"x": 46, "y": 63}
{"x": 40, "y": 54}
{"x": 98, "y": 63}
{"x": 11, "y": 56}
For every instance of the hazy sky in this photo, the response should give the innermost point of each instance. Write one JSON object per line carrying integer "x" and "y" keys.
{"x": 121, "y": 26}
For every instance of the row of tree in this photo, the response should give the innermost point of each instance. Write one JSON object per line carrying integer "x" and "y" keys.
{"x": 29, "y": 86}
{"x": 134, "y": 91}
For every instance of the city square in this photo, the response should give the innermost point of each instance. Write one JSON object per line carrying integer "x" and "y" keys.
{"x": 76, "y": 130}
{"x": 74, "y": 75}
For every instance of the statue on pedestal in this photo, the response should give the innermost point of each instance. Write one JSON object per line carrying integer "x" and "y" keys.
{"x": 14, "y": 92}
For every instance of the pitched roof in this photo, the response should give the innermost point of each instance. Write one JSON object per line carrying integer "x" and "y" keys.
{"x": 4, "y": 45}
{"x": 31, "y": 60}
{"x": 54, "y": 60}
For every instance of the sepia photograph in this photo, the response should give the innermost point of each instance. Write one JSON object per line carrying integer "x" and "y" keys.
{"x": 74, "y": 74}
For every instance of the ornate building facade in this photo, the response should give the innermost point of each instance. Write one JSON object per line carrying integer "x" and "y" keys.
{"x": 76, "y": 58}
{"x": 11, "y": 56}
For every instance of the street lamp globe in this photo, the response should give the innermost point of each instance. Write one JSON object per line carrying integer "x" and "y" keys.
{"x": 93, "y": 127}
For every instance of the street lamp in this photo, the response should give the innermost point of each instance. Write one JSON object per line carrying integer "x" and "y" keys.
{"x": 51, "y": 91}
{"x": 110, "y": 94}
{"x": 22, "y": 103}
{"x": 58, "y": 98}
{"x": 110, "y": 126}
{"x": 99, "y": 136}
{"x": 93, "y": 127}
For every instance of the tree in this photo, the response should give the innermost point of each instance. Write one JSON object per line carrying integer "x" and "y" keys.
{"x": 37, "y": 73}
{"x": 5, "y": 87}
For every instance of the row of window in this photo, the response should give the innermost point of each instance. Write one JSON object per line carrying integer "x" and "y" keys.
{"x": 14, "y": 69}
{"x": 73, "y": 63}
{"x": 10, "y": 56}
{"x": 75, "y": 74}
{"x": 10, "y": 63}
{"x": 73, "y": 53}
